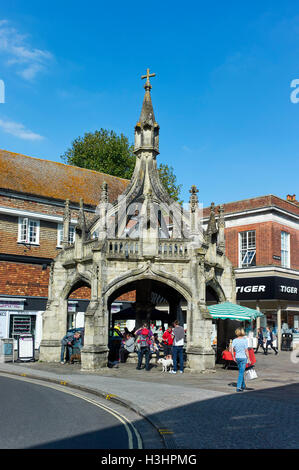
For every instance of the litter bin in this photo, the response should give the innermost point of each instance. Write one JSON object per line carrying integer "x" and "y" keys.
{"x": 6, "y": 350}
{"x": 286, "y": 341}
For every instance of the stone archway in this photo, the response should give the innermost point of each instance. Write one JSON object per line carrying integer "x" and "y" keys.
{"x": 148, "y": 292}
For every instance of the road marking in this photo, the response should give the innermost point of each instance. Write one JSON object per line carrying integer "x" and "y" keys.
{"x": 165, "y": 431}
{"x": 109, "y": 396}
{"x": 116, "y": 414}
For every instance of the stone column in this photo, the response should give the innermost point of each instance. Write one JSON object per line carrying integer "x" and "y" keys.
{"x": 144, "y": 305}
{"x": 94, "y": 354}
{"x": 55, "y": 315}
{"x": 54, "y": 329}
{"x": 258, "y": 319}
{"x": 200, "y": 353}
{"x": 279, "y": 327}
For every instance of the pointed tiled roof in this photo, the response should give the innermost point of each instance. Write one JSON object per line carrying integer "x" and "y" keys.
{"x": 45, "y": 178}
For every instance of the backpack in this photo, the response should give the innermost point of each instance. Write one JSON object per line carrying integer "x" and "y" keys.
{"x": 143, "y": 338}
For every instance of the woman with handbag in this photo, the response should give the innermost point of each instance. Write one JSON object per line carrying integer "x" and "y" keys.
{"x": 241, "y": 357}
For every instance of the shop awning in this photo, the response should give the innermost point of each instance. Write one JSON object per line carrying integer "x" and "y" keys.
{"x": 231, "y": 311}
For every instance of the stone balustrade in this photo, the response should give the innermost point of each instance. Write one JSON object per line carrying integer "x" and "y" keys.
{"x": 173, "y": 249}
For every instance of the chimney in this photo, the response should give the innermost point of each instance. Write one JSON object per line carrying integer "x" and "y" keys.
{"x": 292, "y": 198}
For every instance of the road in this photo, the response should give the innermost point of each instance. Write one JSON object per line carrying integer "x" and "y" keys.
{"x": 37, "y": 416}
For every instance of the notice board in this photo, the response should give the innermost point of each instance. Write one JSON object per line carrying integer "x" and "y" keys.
{"x": 26, "y": 348}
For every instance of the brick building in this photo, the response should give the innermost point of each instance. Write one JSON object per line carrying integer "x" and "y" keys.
{"x": 32, "y": 203}
{"x": 262, "y": 242}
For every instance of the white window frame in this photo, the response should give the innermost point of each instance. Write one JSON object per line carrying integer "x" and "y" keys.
{"x": 285, "y": 249}
{"x": 26, "y": 239}
{"x": 60, "y": 235}
{"x": 247, "y": 253}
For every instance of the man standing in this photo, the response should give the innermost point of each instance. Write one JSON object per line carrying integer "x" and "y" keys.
{"x": 167, "y": 339}
{"x": 178, "y": 346}
{"x": 144, "y": 341}
{"x": 66, "y": 348}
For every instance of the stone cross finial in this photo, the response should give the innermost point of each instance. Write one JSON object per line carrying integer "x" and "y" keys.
{"x": 193, "y": 198}
{"x": 104, "y": 192}
{"x": 147, "y": 76}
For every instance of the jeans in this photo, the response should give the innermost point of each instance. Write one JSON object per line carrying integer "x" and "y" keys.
{"x": 123, "y": 354}
{"x": 177, "y": 350}
{"x": 242, "y": 366}
{"x": 64, "y": 349}
{"x": 269, "y": 343}
{"x": 144, "y": 351}
{"x": 258, "y": 345}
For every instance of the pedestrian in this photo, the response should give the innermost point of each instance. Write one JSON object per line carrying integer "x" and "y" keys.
{"x": 269, "y": 341}
{"x": 128, "y": 346}
{"x": 178, "y": 347}
{"x": 240, "y": 347}
{"x": 260, "y": 340}
{"x": 144, "y": 340}
{"x": 66, "y": 348}
{"x": 167, "y": 341}
{"x": 155, "y": 346}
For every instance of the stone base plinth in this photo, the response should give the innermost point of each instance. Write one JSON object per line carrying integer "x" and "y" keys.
{"x": 199, "y": 360}
{"x": 94, "y": 357}
{"x": 50, "y": 351}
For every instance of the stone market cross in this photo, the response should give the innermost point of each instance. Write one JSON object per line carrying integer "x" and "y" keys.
{"x": 143, "y": 242}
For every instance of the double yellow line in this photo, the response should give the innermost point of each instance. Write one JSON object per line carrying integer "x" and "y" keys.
{"x": 127, "y": 424}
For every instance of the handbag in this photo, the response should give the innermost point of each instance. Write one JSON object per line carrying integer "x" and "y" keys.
{"x": 251, "y": 374}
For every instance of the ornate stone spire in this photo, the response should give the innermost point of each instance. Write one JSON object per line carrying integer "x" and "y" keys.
{"x": 212, "y": 226}
{"x": 147, "y": 129}
{"x": 66, "y": 223}
{"x": 221, "y": 227}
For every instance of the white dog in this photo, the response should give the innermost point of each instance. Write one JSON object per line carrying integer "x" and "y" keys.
{"x": 166, "y": 364}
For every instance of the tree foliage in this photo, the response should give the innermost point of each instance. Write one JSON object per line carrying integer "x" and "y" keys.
{"x": 102, "y": 151}
{"x": 109, "y": 153}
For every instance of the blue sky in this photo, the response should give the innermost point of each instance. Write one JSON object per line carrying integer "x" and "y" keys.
{"x": 221, "y": 94}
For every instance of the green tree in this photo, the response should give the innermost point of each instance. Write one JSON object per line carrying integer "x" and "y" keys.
{"x": 109, "y": 153}
{"x": 169, "y": 181}
{"x": 102, "y": 151}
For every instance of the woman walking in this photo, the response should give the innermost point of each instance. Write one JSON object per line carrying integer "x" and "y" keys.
{"x": 260, "y": 340}
{"x": 269, "y": 342}
{"x": 240, "y": 347}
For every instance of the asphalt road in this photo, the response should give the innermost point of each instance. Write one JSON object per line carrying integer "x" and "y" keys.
{"x": 35, "y": 416}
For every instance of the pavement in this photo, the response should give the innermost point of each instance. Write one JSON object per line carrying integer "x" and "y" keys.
{"x": 196, "y": 411}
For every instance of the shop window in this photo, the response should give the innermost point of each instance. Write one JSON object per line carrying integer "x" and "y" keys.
{"x": 60, "y": 235}
{"x": 285, "y": 249}
{"x": 21, "y": 325}
{"x": 28, "y": 231}
{"x": 247, "y": 249}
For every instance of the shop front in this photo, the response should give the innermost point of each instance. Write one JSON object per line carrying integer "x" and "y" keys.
{"x": 277, "y": 297}
{"x": 21, "y": 316}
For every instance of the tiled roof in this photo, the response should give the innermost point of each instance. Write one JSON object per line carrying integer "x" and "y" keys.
{"x": 255, "y": 203}
{"x": 55, "y": 180}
